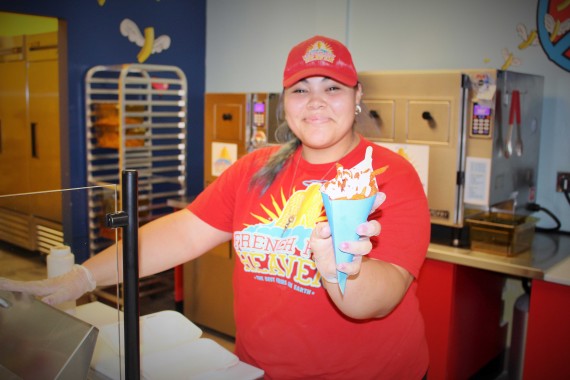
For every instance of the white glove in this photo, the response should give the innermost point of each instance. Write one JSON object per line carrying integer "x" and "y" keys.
{"x": 54, "y": 291}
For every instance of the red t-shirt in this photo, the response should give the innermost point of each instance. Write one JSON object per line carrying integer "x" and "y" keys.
{"x": 286, "y": 323}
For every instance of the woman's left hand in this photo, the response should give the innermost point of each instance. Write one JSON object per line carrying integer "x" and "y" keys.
{"x": 323, "y": 250}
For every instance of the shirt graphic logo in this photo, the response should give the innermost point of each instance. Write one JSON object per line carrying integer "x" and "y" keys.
{"x": 277, "y": 249}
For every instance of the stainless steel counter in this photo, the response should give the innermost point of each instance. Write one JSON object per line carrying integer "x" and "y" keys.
{"x": 550, "y": 252}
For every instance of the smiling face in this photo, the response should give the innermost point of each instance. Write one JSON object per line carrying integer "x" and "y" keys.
{"x": 320, "y": 112}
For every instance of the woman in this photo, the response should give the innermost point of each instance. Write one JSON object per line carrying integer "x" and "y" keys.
{"x": 292, "y": 321}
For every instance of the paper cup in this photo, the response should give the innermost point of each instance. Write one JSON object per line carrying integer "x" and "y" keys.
{"x": 344, "y": 216}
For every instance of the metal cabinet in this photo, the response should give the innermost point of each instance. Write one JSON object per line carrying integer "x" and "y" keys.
{"x": 30, "y": 141}
{"x": 135, "y": 119}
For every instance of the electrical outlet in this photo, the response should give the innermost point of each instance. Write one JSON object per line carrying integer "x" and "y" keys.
{"x": 562, "y": 182}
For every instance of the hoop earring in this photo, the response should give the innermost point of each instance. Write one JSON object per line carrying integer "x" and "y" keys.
{"x": 358, "y": 110}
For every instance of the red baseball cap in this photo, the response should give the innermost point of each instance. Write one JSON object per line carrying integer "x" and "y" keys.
{"x": 320, "y": 56}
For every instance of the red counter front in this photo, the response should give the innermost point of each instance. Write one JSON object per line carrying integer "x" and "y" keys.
{"x": 547, "y": 354}
{"x": 462, "y": 309}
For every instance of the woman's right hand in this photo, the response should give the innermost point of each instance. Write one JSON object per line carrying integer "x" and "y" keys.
{"x": 54, "y": 291}
{"x": 323, "y": 250}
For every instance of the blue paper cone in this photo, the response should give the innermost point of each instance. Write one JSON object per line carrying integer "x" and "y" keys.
{"x": 344, "y": 216}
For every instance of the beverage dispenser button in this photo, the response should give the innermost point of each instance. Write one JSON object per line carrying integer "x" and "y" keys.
{"x": 481, "y": 121}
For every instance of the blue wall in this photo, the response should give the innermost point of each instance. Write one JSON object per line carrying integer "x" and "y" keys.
{"x": 94, "y": 38}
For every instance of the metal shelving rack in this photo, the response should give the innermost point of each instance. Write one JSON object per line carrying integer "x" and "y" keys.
{"x": 136, "y": 120}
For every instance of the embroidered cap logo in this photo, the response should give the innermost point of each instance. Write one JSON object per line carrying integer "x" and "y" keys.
{"x": 319, "y": 51}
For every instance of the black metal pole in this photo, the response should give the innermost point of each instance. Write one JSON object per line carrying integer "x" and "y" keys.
{"x": 129, "y": 187}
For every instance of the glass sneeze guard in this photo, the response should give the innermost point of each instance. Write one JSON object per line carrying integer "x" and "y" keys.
{"x": 62, "y": 342}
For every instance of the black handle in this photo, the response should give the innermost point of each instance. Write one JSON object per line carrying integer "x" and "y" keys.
{"x": 227, "y": 116}
{"x": 34, "y": 140}
{"x": 430, "y": 120}
{"x": 129, "y": 190}
{"x": 117, "y": 220}
{"x": 374, "y": 114}
{"x": 128, "y": 220}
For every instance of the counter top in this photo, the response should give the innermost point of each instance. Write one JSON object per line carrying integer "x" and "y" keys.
{"x": 171, "y": 345}
{"x": 559, "y": 273}
{"x": 548, "y": 259}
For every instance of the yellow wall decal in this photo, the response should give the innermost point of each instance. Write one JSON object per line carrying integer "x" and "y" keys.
{"x": 148, "y": 43}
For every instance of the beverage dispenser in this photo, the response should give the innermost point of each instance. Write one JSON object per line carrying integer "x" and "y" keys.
{"x": 473, "y": 135}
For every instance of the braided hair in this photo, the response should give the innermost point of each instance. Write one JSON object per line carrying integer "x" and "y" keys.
{"x": 283, "y": 135}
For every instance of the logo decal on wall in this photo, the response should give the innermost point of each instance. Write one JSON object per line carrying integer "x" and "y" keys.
{"x": 552, "y": 33}
{"x": 553, "y": 24}
{"x": 149, "y": 45}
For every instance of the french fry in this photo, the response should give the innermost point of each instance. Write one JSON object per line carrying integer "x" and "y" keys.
{"x": 554, "y": 33}
{"x": 148, "y": 43}
{"x": 529, "y": 40}
{"x": 508, "y": 62}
